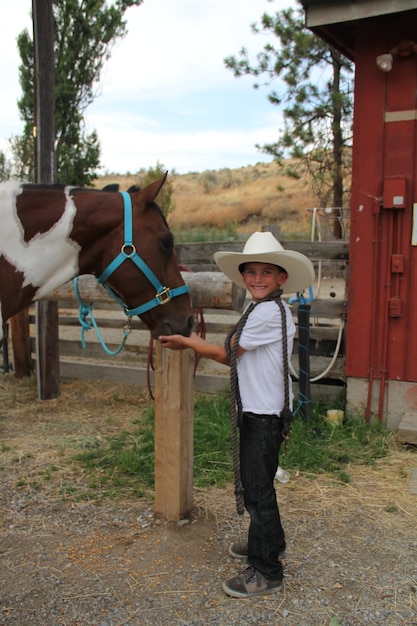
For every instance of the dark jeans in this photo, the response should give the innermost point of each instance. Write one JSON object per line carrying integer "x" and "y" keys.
{"x": 260, "y": 441}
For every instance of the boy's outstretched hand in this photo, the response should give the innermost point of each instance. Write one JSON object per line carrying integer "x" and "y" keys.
{"x": 174, "y": 342}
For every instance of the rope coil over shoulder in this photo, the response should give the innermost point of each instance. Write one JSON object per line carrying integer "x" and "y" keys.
{"x": 235, "y": 399}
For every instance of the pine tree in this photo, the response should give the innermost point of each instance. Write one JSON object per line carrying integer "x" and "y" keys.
{"x": 315, "y": 94}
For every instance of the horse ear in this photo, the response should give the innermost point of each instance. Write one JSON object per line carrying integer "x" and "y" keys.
{"x": 151, "y": 191}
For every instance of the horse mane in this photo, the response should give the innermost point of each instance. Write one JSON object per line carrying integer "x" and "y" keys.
{"x": 109, "y": 188}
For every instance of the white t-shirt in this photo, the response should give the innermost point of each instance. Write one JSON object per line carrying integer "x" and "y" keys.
{"x": 260, "y": 368}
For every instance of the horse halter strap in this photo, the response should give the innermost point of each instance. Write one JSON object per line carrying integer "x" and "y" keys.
{"x": 128, "y": 252}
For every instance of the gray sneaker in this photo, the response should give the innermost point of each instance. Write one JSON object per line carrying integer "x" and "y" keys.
{"x": 239, "y": 550}
{"x": 250, "y": 583}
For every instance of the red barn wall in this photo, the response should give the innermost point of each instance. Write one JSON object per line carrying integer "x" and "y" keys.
{"x": 381, "y": 340}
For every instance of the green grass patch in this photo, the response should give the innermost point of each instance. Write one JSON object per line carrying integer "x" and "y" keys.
{"x": 212, "y": 441}
{"x": 126, "y": 462}
{"x": 317, "y": 446}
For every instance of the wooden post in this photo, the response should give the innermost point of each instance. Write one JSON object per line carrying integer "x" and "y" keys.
{"x": 22, "y": 358}
{"x": 47, "y": 312}
{"x": 274, "y": 229}
{"x": 174, "y": 432}
{"x": 47, "y": 350}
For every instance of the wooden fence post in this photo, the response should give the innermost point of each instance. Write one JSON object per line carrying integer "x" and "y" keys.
{"x": 22, "y": 357}
{"x": 47, "y": 350}
{"x": 174, "y": 432}
{"x": 274, "y": 229}
{"x": 44, "y": 65}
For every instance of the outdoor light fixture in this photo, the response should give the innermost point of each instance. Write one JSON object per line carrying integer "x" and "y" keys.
{"x": 404, "y": 49}
{"x": 384, "y": 62}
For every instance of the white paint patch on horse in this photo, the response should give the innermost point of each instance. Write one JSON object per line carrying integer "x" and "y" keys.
{"x": 49, "y": 259}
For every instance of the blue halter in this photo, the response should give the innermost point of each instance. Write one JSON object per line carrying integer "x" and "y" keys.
{"x": 128, "y": 251}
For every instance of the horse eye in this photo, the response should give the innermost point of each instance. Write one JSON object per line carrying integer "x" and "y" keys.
{"x": 167, "y": 244}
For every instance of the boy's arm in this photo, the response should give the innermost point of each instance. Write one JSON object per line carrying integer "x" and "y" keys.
{"x": 196, "y": 343}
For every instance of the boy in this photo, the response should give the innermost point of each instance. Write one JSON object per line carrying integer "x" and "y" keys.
{"x": 266, "y": 271}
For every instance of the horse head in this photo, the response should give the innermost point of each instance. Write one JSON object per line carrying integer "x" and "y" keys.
{"x": 140, "y": 266}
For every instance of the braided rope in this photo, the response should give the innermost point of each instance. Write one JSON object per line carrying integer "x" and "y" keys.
{"x": 235, "y": 400}
{"x": 286, "y": 413}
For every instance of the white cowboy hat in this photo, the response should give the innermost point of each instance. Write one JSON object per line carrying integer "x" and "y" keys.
{"x": 264, "y": 248}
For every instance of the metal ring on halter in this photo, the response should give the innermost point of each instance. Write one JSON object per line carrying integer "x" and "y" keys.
{"x": 128, "y": 245}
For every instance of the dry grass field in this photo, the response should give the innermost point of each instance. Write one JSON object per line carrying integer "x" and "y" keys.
{"x": 246, "y": 198}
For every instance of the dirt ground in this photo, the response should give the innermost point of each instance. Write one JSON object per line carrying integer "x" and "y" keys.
{"x": 352, "y": 548}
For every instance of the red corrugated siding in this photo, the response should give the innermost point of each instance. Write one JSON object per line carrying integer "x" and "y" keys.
{"x": 382, "y": 297}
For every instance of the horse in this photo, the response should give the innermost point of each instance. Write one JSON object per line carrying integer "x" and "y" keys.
{"x": 50, "y": 234}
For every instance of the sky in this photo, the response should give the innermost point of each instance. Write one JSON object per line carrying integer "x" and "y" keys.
{"x": 165, "y": 95}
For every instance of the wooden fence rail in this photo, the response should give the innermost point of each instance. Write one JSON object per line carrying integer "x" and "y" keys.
{"x": 132, "y": 366}
{"x": 207, "y": 289}
{"x": 199, "y": 256}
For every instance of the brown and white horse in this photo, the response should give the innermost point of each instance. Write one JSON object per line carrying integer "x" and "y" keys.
{"x": 50, "y": 234}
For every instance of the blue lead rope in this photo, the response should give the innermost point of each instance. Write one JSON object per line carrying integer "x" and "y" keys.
{"x": 85, "y": 311}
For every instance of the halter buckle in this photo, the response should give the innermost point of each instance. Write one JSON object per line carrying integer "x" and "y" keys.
{"x": 163, "y": 296}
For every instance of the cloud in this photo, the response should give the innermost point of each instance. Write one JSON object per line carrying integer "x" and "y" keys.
{"x": 180, "y": 150}
{"x": 165, "y": 94}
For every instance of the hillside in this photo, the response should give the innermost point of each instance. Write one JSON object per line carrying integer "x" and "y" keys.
{"x": 246, "y": 198}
